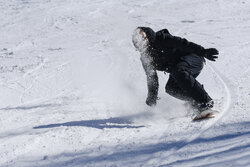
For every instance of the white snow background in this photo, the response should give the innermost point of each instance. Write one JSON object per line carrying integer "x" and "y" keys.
{"x": 73, "y": 88}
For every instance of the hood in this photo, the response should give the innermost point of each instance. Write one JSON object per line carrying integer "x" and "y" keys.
{"x": 150, "y": 34}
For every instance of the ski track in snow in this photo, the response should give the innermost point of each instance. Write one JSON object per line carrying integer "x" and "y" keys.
{"x": 73, "y": 88}
{"x": 227, "y": 103}
{"x": 226, "y": 107}
{"x": 209, "y": 123}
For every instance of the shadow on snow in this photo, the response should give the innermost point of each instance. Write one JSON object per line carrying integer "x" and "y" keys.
{"x": 117, "y": 122}
{"x": 142, "y": 154}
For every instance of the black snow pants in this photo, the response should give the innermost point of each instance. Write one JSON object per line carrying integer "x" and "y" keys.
{"x": 182, "y": 82}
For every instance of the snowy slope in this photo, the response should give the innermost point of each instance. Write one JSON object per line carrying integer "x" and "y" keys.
{"x": 73, "y": 89}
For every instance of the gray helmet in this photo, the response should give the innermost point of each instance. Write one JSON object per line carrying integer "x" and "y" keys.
{"x": 143, "y": 37}
{"x": 149, "y": 33}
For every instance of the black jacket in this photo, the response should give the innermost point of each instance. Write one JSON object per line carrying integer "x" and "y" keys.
{"x": 167, "y": 50}
{"x": 164, "y": 52}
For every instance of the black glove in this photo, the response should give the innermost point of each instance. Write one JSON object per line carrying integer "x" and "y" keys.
{"x": 151, "y": 101}
{"x": 209, "y": 54}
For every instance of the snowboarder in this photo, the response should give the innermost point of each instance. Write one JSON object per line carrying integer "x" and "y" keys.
{"x": 182, "y": 59}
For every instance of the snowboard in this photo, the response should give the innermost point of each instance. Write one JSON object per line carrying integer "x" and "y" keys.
{"x": 207, "y": 114}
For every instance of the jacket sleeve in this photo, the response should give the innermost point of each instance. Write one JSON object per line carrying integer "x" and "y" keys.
{"x": 152, "y": 78}
{"x": 167, "y": 40}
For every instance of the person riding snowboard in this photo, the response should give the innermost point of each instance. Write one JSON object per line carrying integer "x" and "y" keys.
{"x": 182, "y": 59}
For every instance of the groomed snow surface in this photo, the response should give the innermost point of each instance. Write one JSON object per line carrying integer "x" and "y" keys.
{"x": 73, "y": 88}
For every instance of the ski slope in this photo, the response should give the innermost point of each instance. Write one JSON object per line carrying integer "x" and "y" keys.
{"x": 73, "y": 88}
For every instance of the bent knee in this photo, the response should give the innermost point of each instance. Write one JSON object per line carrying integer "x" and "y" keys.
{"x": 180, "y": 74}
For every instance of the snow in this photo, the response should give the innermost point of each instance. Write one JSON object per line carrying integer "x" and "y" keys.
{"x": 73, "y": 88}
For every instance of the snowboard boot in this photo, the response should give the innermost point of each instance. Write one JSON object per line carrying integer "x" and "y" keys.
{"x": 205, "y": 111}
{"x": 205, "y": 106}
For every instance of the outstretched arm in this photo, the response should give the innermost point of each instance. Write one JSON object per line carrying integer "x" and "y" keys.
{"x": 152, "y": 79}
{"x": 165, "y": 39}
